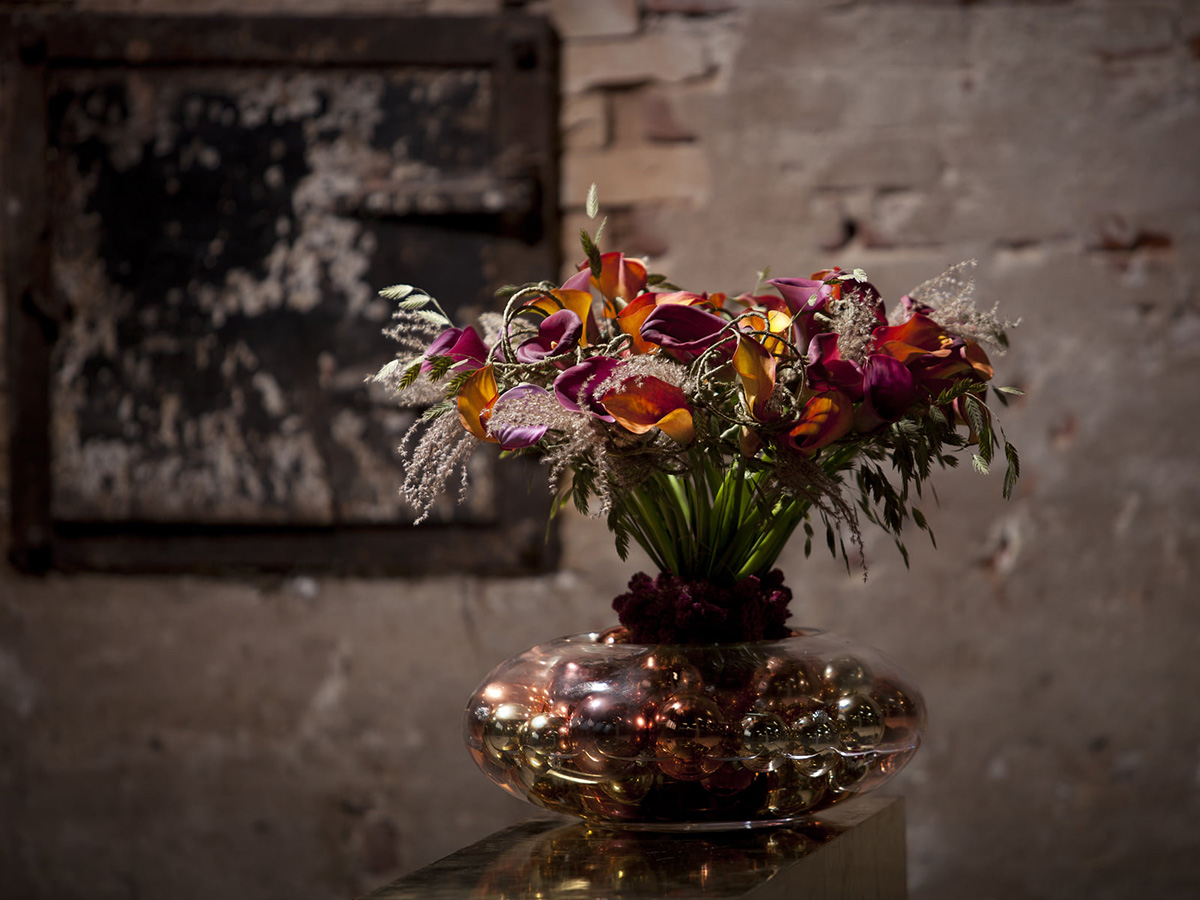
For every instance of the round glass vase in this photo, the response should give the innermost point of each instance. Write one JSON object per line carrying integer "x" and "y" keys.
{"x": 691, "y": 738}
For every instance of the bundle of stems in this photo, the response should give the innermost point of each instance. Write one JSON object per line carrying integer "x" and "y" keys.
{"x": 718, "y": 520}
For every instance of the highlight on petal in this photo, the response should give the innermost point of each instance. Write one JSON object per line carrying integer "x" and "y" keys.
{"x": 824, "y": 419}
{"x": 772, "y": 327}
{"x": 918, "y": 331}
{"x": 647, "y": 402}
{"x": 959, "y": 358}
{"x": 756, "y": 368}
{"x": 475, "y": 401}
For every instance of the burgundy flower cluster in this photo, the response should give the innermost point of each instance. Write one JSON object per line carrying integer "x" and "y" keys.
{"x": 673, "y": 610}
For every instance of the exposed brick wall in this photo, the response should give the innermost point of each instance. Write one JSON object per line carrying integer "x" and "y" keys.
{"x": 259, "y": 738}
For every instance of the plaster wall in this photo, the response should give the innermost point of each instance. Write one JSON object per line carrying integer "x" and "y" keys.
{"x": 265, "y": 738}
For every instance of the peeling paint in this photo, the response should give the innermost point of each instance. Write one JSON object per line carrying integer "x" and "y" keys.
{"x": 222, "y": 288}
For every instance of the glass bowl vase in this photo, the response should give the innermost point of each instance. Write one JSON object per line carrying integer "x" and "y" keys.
{"x": 693, "y": 737}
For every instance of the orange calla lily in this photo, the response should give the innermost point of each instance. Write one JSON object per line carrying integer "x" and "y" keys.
{"x": 933, "y": 354}
{"x": 825, "y": 418}
{"x": 621, "y": 278}
{"x": 651, "y": 403}
{"x": 774, "y": 322}
{"x": 756, "y": 367}
{"x": 475, "y": 401}
{"x": 630, "y": 320}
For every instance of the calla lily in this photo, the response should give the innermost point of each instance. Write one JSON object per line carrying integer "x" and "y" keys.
{"x": 580, "y": 281}
{"x": 827, "y": 371}
{"x": 888, "y": 392}
{"x": 824, "y": 419}
{"x": 803, "y": 298}
{"x": 771, "y": 326}
{"x": 557, "y": 335}
{"x": 631, "y": 319}
{"x": 621, "y": 279}
{"x": 513, "y": 436}
{"x": 647, "y": 402}
{"x": 463, "y": 345}
{"x": 803, "y": 295}
{"x": 958, "y": 358}
{"x": 475, "y": 400}
{"x": 576, "y": 387}
{"x": 933, "y": 355}
{"x": 577, "y": 301}
{"x": 756, "y": 367}
{"x": 685, "y": 332}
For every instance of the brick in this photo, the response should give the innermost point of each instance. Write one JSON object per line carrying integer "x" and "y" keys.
{"x": 648, "y": 115}
{"x": 692, "y": 7}
{"x": 594, "y": 18}
{"x": 645, "y": 58}
{"x": 639, "y": 174}
{"x": 907, "y": 218}
{"x": 465, "y": 7}
{"x": 881, "y": 160}
{"x": 583, "y": 121}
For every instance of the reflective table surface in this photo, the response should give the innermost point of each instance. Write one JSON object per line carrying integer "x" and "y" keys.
{"x": 855, "y": 850}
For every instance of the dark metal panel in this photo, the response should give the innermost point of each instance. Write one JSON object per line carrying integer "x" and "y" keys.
{"x": 32, "y": 320}
{"x": 274, "y": 40}
{"x": 481, "y": 219}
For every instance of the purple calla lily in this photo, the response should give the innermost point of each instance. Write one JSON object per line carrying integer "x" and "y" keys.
{"x": 557, "y": 334}
{"x": 686, "y": 331}
{"x": 827, "y": 371}
{"x": 803, "y": 295}
{"x": 888, "y": 392}
{"x": 510, "y": 435}
{"x": 576, "y": 387}
{"x": 463, "y": 345}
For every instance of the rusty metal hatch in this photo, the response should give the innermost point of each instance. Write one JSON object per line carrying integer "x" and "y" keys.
{"x": 198, "y": 213}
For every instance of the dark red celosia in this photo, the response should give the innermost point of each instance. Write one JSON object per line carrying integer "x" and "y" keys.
{"x": 673, "y": 610}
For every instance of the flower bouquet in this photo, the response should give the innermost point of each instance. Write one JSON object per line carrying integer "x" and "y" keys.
{"x": 707, "y": 428}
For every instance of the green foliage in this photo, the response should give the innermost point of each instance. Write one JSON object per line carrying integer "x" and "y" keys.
{"x": 417, "y": 302}
{"x": 438, "y": 410}
{"x": 410, "y": 376}
{"x": 593, "y": 253}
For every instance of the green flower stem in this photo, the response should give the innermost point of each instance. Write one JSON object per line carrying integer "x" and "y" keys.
{"x": 716, "y": 521}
